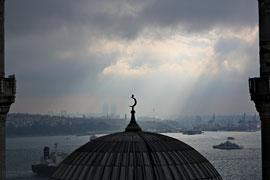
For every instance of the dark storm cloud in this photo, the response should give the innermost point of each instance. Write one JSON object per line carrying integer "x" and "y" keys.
{"x": 42, "y": 17}
{"x": 40, "y": 69}
{"x": 31, "y": 16}
{"x": 202, "y": 15}
{"x": 37, "y": 16}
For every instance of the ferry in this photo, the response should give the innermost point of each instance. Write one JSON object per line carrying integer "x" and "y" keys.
{"x": 228, "y": 145}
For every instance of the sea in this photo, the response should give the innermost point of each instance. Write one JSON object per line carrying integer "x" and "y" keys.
{"x": 242, "y": 164}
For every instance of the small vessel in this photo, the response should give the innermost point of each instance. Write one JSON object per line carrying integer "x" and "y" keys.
{"x": 192, "y": 132}
{"x": 49, "y": 162}
{"x": 230, "y": 138}
{"x": 228, "y": 145}
{"x": 92, "y": 137}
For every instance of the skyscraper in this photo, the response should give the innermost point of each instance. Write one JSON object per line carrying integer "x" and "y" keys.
{"x": 105, "y": 109}
{"x": 113, "y": 110}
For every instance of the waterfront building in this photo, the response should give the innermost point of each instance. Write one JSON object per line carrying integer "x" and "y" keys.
{"x": 63, "y": 113}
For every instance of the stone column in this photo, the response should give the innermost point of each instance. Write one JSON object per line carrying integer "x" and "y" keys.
{"x": 260, "y": 93}
{"x": 7, "y": 97}
{"x": 264, "y": 111}
{"x": 2, "y": 38}
{"x": 259, "y": 87}
{"x": 7, "y": 93}
{"x": 3, "y": 147}
{"x": 4, "y": 108}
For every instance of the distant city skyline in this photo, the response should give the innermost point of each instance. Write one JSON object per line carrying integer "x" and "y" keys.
{"x": 106, "y": 110}
{"x": 197, "y": 117}
{"x": 177, "y": 57}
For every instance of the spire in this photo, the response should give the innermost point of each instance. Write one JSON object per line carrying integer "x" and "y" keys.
{"x": 133, "y": 126}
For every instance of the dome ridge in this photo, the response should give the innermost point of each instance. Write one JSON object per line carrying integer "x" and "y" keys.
{"x": 135, "y": 156}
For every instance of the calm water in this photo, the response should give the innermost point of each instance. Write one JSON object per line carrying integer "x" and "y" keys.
{"x": 244, "y": 164}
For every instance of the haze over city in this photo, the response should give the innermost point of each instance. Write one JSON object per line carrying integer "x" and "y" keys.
{"x": 178, "y": 56}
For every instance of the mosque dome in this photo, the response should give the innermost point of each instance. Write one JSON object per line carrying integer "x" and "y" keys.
{"x": 135, "y": 155}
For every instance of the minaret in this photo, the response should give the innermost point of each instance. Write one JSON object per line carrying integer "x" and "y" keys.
{"x": 7, "y": 93}
{"x": 259, "y": 87}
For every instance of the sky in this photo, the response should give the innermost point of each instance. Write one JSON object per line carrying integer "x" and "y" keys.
{"x": 178, "y": 57}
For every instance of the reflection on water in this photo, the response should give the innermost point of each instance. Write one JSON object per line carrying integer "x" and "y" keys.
{"x": 244, "y": 164}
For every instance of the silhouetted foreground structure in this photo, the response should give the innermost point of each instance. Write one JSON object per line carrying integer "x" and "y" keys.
{"x": 135, "y": 155}
{"x": 7, "y": 94}
{"x": 260, "y": 87}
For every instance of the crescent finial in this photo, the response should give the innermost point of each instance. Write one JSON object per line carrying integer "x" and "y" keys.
{"x": 135, "y": 101}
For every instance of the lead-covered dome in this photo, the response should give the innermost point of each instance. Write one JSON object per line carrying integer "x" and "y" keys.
{"x": 135, "y": 156}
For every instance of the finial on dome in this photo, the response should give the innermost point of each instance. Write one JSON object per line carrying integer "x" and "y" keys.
{"x": 133, "y": 126}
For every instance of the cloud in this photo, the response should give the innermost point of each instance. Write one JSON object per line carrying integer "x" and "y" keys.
{"x": 147, "y": 55}
{"x": 202, "y": 15}
{"x": 126, "y": 18}
{"x": 170, "y": 53}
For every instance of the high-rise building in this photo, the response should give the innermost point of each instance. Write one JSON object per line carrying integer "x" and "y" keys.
{"x": 113, "y": 110}
{"x": 259, "y": 87}
{"x": 105, "y": 109}
{"x": 7, "y": 94}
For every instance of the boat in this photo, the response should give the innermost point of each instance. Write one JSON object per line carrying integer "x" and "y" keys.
{"x": 49, "y": 162}
{"x": 230, "y": 138}
{"x": 92, "y": 137}
{"x": 192, "y": 132}
{"x": 228, "y": 145}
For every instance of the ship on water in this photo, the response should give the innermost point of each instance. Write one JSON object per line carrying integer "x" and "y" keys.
{"x": 192, "y": 131}
{"x": 49, "y": 162}
{"x": 228, "y": 145}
